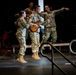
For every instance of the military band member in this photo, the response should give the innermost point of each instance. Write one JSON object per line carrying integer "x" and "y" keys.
{"x": 50, "y": 25}
{"x": 29, "y": 10}
{"x": 21, "y": 34}
{"x": 35, "y": 35}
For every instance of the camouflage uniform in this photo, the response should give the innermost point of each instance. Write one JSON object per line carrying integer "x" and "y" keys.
{"x": 35, "y": 38}
{"x": 28, "y": 12}
{"x": 50, "y": 25}
{"x": 21, "y": 34}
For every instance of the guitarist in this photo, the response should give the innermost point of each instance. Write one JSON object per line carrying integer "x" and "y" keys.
{"x": 35, "y": 35}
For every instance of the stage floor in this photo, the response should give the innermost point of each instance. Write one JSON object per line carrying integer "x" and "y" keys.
{"x": 9, "y": 65}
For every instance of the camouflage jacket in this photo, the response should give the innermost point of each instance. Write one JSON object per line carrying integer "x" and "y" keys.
{"x": 35, "y": 18}
{"x": 22, "y": 25}
{"x": 28, "y": 11}
{"x": 49, "y": 17}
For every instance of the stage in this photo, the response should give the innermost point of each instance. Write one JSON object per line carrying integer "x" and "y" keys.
{"x": 9, "y": 65}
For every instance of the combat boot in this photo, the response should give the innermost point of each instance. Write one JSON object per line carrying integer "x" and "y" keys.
{"x": 21, "y": 59}
{"x": 35, "y": 56}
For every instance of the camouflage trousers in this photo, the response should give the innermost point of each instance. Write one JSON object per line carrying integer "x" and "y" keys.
{"x": 50, "y": 31}
{"x": 22, "y": 43}
{"x": 35, "y": 41}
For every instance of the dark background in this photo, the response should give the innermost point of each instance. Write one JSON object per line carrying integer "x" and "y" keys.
{"x": 66, "y": 21}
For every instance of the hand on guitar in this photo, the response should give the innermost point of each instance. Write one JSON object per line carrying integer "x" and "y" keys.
{"x": 36, "y": 25}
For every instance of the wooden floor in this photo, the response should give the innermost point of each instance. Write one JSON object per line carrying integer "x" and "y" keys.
{"x": 9, "y": 65}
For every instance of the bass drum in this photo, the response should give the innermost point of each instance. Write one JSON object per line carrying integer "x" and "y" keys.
{"x": 72, "y": 46}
